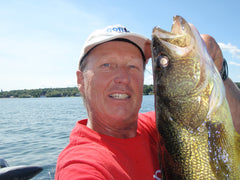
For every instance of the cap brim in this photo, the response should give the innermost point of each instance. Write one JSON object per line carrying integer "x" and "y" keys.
{"x": 143, "y": 42}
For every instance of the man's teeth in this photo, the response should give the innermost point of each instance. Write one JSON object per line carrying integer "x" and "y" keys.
{"x": 119, "y": 96}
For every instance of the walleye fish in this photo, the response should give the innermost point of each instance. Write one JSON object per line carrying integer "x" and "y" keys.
{"x": 198, "y": 139}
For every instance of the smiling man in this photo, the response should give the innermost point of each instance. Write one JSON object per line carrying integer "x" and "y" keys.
{"x": 112, "y": 84}
{"x": 115, "y": 141}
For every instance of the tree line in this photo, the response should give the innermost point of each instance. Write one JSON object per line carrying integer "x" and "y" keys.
{"x": 45, "y": 92}
{"x": 54, "y": 92}
{"x": 58, "y": 92}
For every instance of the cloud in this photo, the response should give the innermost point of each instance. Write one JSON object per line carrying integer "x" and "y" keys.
{"x": 42, "y": 49}
{"x": 234, "y": 63}
{"x": 234, "y": 50}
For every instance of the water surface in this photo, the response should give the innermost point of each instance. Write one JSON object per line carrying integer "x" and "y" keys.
{"x": 34, "y": 131}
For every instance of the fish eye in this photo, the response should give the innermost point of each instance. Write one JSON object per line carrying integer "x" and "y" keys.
{"x": 162, "y": 61}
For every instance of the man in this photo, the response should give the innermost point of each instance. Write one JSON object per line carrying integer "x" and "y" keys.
{"x": 115, "y": 142}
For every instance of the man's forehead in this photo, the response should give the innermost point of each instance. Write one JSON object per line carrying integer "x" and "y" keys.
{"x": 113, "y": 48}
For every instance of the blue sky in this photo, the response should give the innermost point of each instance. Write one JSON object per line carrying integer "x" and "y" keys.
{"x": 40, "y": 41}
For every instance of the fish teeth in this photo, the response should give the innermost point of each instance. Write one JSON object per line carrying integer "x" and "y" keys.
{"x": 119, "y": 96}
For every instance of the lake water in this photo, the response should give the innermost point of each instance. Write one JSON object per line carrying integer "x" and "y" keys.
{"x": 34, "y": 131}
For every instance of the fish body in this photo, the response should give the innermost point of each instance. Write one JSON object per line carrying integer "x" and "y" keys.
{"x": 197, "y": 136}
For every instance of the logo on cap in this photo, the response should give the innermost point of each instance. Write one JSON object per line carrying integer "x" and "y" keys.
{"x": 118, "y": 29}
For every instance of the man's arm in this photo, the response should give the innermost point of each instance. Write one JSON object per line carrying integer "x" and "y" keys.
{"x": 232, "y": 91}
{"x": 233, "y": 98}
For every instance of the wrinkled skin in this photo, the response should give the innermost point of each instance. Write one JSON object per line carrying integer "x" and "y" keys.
{"x": 193, "y": 117}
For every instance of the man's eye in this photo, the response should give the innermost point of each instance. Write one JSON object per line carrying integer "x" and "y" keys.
{"x": 106, "y": 65}
{"x": 132, "y": 66}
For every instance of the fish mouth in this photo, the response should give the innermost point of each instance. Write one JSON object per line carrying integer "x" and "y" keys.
{"x": 179, "y": 35}
{"x": 119, "y": 96}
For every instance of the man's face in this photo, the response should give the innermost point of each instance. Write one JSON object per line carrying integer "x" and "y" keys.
{"x": 112, "y": 83}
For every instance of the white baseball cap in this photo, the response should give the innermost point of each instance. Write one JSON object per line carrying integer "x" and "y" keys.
{"x": 116, "y": 32}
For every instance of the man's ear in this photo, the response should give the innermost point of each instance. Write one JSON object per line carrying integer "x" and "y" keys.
{"x": 80, "y": 81}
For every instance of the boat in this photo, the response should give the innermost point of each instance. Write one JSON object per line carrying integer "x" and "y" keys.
{"x": 23, "y": 172}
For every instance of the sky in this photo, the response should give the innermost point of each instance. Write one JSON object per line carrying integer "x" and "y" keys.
{"x": 40, "y": 41}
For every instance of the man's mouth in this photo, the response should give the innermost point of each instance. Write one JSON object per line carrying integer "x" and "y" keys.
{"x": 119, "y": 96}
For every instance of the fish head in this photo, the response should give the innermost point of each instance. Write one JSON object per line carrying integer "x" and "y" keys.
{"x": 177, "y": 58}
{"x": 183, "y": 72}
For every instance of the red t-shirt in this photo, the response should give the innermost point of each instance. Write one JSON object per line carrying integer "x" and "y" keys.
{"x": 91, "y": 155}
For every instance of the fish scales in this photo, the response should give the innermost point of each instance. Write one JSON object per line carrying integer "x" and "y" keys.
{"x": 197, "y": 136}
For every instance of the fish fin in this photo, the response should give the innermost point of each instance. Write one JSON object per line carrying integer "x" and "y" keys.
{"x": 218, "y": 93}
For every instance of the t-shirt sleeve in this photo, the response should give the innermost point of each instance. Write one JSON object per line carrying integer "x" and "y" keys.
{"x": 82, "y": 162}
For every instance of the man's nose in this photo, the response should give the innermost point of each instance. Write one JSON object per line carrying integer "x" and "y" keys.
{"x": 122, "y": 76}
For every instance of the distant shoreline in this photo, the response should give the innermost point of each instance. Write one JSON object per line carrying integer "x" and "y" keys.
{"x": 59, "y": 92}
{"x": 54, "y": 92}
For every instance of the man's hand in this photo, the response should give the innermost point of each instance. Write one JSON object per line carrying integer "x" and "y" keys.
{"x": 232, "y": 91}
{"x": 213, "y": 50}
